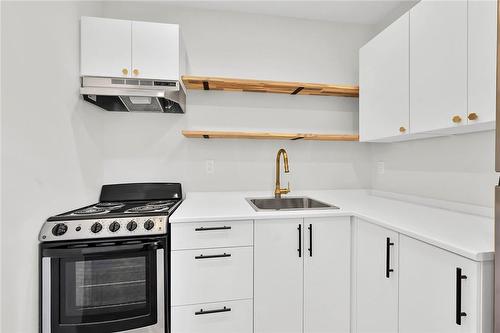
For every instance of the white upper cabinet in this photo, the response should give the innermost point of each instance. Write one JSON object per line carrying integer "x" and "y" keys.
{"x": 377, "y": 273}
{"x": 155, "y": 50}
{"x": 105, "y": 47}
{"x": 383, "y": 79}
{"x": 482, "y": 60}
{"x": 438, "y": 65}
{"x": 430, "y": 73}
{"x": 120, "y": 48}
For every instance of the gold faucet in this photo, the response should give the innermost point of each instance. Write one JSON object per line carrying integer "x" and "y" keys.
{"x": 278, "y": 191}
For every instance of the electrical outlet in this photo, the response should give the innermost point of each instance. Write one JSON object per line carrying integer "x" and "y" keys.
{"x": 380, "y": 168}
{"x": 210, "y": 167}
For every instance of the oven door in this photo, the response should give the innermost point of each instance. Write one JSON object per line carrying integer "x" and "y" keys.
{"x": 104, "y": 287}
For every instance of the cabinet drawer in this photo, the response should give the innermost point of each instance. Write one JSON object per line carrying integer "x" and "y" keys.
{"x": 211, "y": 275}
{"x": 223, "y": 317}
{"x": 211, "y": 234}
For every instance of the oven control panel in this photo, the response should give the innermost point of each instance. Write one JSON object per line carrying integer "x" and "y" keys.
{"x": 103, "y": 228}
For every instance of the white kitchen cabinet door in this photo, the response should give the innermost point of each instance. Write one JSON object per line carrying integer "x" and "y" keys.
{"x": 429, "y": 289}
{"x": 105, "y": 47}
{"x": 438, "y": 65}
{"x": 155, "y": 50}
{"x": 482, "y": 60}
{"x": 384, "y": 83}
{"x": 327, "y": 274}
{"x": 376, "y": 279}
{"x": 278, "y": 276}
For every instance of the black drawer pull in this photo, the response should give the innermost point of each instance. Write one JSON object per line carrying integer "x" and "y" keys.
{"x": 202, "y": 312}
{"x": 310, "y": 240}
{"x": 459, "y": 313}
{"x": 300, "y": 240}
{"x": 388, "y": 269}
{"x": 211, "y": 256}
{"x": 212, "y": 228}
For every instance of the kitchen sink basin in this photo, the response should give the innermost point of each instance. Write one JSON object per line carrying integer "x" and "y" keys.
{"x": 288, "y": 203}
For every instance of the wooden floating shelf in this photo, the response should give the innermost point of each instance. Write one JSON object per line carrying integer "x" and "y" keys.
{"x": 276, "y": 87}
{"x": 269, "y": 136}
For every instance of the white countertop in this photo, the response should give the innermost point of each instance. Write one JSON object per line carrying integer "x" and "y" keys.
{"x": 471, "y": 236}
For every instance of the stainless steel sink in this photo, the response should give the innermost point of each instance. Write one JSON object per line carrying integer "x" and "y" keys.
{"x": 288, "y": 203}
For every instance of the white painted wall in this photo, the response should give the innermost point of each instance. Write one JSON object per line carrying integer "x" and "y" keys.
{"x": 457, "y": 168}
{"x": 58, "y": 150}
{"x": 49, "y": 158}
{"x": 248, "y": 46}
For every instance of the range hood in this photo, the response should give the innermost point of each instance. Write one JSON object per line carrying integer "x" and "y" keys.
{"x": 134, "y": 95}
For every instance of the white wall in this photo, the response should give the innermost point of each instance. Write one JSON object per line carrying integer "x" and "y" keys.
{"x": 457, "y": 168}
{"x": 58, "y": 150}
{"x": 248, "y": 46}
{"x": 49, "y": 159}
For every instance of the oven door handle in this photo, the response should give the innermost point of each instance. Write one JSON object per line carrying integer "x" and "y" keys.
{"x": 97, "y": 250}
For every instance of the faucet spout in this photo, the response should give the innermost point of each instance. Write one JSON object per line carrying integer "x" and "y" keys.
{"x": 278, "y": 191}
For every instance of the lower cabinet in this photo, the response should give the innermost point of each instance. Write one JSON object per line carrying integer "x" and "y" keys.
{"x": 211, "y": 277}
{"x": 442, "y": 292}
{"x": 408, "y": 286}
{"x": 295, "y": 277}
{"x": 302, "y": 275}
{"x": 221, "y": 317}
{"x": 376, "y": 279}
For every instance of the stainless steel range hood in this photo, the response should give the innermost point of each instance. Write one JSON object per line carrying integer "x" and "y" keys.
{"x": 134, "y": 95}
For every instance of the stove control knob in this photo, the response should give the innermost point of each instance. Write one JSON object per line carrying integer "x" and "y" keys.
{"x": 59, "y": 229}
{"x": 149, "y": 224}
{"x": 131, "y": 226}
{"x": 96, "y": 227}
{"x": 114, "y": 227}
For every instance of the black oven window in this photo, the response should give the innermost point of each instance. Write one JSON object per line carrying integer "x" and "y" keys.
{"x": 110, "y": 283}
{"x": 107, "y": 289}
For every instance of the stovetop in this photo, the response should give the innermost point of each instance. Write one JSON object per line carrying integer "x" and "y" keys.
{"x": 124, "y": 210}
{"x": 116, "y": 209}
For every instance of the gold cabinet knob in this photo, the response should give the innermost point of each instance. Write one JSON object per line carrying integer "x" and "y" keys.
{"x": 472, "y": 116}
{"x": 136, "y": 72}
{"x": 456, "y": 119}
{"x": 125, "y": 71}
{"x": 402, "y": 129}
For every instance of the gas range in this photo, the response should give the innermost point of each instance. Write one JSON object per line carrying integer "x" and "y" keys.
{"x": 123, "y": 210}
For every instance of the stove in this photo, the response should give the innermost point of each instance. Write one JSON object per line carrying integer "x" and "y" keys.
{"x": 123, "y": 210}
{"x": 104, "y": 267}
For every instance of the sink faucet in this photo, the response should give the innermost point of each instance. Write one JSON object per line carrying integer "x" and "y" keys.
{"x": 278, "y": 191}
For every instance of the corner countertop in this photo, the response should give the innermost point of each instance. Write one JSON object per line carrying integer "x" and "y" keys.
{"x": 471, "y": 236}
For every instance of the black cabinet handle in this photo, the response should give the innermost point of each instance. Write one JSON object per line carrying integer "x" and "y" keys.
{"x": 459, "y": 313}
{"x": 310, "y": 240}
{"x": 201, "y": 256}
{"x": 212, "y": 228}
{"x": 300, "y": 240}
{"x": 388, "y": 269}
{"x": 202, "y": 312}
